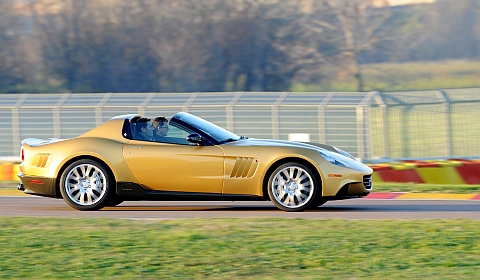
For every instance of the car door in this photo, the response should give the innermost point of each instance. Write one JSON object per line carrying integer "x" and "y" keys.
{"x": 175, "y": 164}
{"x": 176, "y": 167}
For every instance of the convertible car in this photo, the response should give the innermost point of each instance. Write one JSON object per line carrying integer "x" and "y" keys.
{"x": 197, "y": 160}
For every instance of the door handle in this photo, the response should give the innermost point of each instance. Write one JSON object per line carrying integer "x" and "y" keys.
{"x": 135, "y": 147}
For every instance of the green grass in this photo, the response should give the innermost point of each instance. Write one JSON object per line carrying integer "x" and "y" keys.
{"x": 239, "y": 249}
{"x": 404, "y": 76}
{"x": 8, "y": 185}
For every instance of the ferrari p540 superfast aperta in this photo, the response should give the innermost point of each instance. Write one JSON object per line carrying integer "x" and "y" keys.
{"x": 124, "y": 160}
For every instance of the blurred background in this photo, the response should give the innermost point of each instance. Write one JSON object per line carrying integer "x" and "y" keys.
{"x": 380, "y": 79}
{"x": 51, "y": 46}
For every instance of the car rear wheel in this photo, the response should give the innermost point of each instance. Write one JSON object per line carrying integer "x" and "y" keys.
{"x": 292, "y": 187}
{"x": 86, "y": 185}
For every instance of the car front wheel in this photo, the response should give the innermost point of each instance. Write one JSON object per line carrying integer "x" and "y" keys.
{"x": 114, "y": 201}
{"x": 292, "y": 187}
{"x": 86, "y": 185}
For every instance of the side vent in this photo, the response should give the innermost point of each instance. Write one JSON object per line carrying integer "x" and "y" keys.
{"x": 43, "y": 160}
{"x": 244, "y": 167}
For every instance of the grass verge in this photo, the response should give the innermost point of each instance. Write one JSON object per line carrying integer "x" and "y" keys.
{"x": 232, "y": 248}
{"x": 8, "y": 185}
{"x": 409, "y": 76}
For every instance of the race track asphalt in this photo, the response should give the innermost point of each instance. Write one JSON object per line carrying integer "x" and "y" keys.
{"x": 410, "y": 206}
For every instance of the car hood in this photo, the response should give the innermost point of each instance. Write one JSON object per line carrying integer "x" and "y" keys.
{"x": 283, "y": 143}
{"x": 325, "y": 150}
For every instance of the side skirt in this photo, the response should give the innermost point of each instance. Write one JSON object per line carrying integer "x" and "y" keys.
{"x": 133, "y": 192}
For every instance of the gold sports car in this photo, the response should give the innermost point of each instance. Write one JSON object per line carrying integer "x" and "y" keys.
{"x": 197, "y": 160}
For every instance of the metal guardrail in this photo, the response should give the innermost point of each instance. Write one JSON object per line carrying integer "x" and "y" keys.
{"x": 369, "y": 125}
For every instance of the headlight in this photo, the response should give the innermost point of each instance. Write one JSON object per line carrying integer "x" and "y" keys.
{"x": 332, "y": 159}
{"x": 343, "y": 153}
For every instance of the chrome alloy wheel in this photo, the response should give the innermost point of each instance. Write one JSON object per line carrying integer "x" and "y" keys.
{"x": 292, "y": 187}
{"x": 85, "y": 184}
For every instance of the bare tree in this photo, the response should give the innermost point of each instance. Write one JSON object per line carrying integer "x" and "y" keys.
{"x": 360, "y": 27}
{"x": 96, "y": 46}
{"x": 335, "y": 34}
{"x": 16, "y": 56}
{"x": 7, "y": 37}
{"x": 452, "y": 31}
{"x": 177, "y": 36}
{"x": 214, "y": 45}
{"x": 218, "y": 45}
{"x": 299, "y": 36}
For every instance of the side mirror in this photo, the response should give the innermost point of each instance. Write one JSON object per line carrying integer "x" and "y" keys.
{"x": 195, "y": 138}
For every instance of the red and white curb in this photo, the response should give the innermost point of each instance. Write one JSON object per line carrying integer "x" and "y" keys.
{"x": 452, "y": 171}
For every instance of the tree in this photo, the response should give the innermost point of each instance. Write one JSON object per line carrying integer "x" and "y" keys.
{"x": 297, "y": 36}
{"x": 216, "y": 46}
{"x": 333, "y": 34}
{"x": 96, "y": 46}
{"x": 359, "y": 29}
{"x": 16, "y": 70}
{"x": 452, "y": 31}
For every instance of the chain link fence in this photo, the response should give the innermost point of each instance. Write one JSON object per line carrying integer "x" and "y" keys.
{"x": 371, "y": 125}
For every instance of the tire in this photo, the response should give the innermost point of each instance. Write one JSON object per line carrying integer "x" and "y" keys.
{"x": 114, "y": 202}
{"x": 292, "y": 187}
{"x": 86, "y": 185}
{"x": 319, "y": 201}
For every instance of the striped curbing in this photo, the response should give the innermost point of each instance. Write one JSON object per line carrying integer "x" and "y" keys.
{"x": 9, "y": 171}
{"x": 451, "y": 171}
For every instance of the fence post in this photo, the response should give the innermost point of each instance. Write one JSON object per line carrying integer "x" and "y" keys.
{"x": 57, "y": 118}
{"x": 322, "y": 131}
{"x": 99, "y": 108}
{"x": 361, "y": 133}
{"x": 141, "y": 109}
{"x": 275, "y": 117}
{"x": 448, "y": 122}
{"x": 385, "y": 124}
{"x": 16, "y": 122}
{"x": 364, "y": 145}
{"x": 229, "y": 111}
{"x": 406, "y": 131}
{"x": 189, "y": 102}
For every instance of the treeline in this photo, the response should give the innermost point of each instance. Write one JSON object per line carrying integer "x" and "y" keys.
{"x": 220, "y": 45}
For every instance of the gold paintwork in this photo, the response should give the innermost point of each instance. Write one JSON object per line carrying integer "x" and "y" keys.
{"x": 44, "y": 160}
{"x": 244, "y": 167}
{"x": 234, "y": 168}
{"x": 182, "y": 168}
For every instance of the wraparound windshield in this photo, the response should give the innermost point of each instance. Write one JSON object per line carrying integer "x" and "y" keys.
{"x": 220, "y": 134}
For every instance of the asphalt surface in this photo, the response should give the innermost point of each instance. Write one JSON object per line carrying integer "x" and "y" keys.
{"x": 365, "y": 208}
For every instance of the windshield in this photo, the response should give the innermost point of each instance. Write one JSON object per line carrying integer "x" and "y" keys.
{"x": 220, "y": 134}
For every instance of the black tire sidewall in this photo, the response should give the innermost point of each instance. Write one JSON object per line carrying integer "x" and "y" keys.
{"x": 97, "y": 205}
{"x": 272, "y": 196}
{"x": 114, "y": 201}
{"x": 319, "y": 201}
